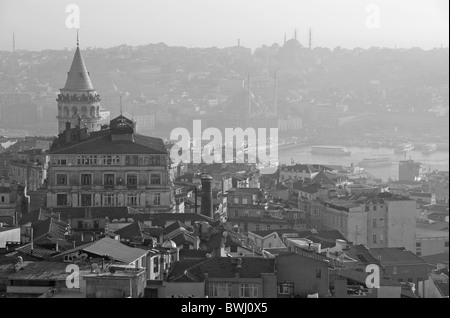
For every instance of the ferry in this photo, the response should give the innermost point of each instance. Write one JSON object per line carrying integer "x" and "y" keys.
{"x": 429, "y": 148}
{"x": 375, "y": 162}
{"x": 330, "y": 150}
{"x": 402, "y": 148}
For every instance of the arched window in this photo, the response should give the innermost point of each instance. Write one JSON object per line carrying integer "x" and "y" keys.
{"x": 84, "y": 111}
{"x": 66, "y": 111}
{"x": 92, "y": 111}
{"x": 74, "y": 111}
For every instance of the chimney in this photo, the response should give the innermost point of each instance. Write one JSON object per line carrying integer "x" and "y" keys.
{"x": 67, "y": 133}
{"x": 31, "y": 236}
{"x": 177, "y": 255}
{"x": 207, "y": 202}
{"x": 340, "y": 245}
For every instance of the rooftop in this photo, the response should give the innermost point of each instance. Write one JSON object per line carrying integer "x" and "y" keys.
{"x": 312, "y": 188}
{"x": 135, "y": 229}
{"x": 101, "y": 142}
{"x": 422, "y": 232}
{"x": 78, "y": 77}
{"x": 226, "y": 267}
{"x": 172, "y": 227}
{"x": 47, "y": 271}
{"x": 115, "y": 249}
{"x": 437, "y": 258}
{"x": 7, "y": 228}
{"x": 396, "y": 256}
{"x": 96, "y": 212}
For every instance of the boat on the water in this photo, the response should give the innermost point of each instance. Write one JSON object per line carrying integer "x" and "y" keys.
{"x": 330, "y": 151}
{"x": 429, "y": 148}
{"x": 375, "y": 162}
{"x": 405, "y": 147}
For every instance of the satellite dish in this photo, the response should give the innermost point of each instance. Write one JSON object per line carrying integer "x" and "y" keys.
{"x": 225, "y": 233}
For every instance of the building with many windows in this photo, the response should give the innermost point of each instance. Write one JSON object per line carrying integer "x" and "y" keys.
{"x": 110, "y": 167}
{"x": 226, "y": 277}
{"x": 381, "y": 220}
{"x": 30, "y": 168}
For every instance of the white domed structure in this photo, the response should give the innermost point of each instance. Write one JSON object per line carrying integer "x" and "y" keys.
{"x": 169, "y": 244}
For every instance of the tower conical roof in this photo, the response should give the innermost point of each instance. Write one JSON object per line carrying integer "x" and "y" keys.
{"x": 78, "y": 76}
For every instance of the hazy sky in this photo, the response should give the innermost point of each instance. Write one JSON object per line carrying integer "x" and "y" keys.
{"x": 41, "y": 24}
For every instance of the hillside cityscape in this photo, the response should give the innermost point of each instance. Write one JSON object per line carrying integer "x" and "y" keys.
{"x": 94, "y": 202}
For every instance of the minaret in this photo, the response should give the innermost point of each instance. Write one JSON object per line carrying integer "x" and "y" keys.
{"x": 78, "y": 98}
{"x": 276, "y": 94}
{"x": 249, "y": 87}
{"x": 310, "y": 38}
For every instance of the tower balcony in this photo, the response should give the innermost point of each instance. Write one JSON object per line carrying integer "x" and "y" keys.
{"x": 82, "y": 99}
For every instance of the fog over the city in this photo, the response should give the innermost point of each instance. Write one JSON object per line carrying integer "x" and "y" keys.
{"x": 205, "y": 23}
